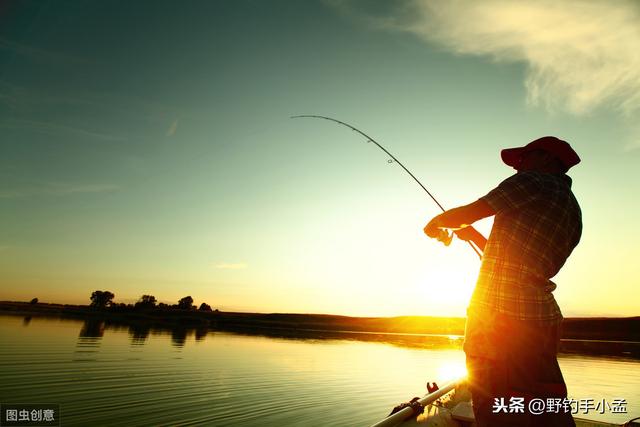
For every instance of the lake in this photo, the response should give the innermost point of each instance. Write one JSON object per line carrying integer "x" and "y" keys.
{"x": 134, "y": 376}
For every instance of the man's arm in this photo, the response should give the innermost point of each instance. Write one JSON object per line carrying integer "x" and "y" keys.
{"x": 460, "y": 218}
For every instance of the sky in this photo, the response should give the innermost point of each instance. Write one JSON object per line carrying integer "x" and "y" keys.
{"x": 147, "y": 148}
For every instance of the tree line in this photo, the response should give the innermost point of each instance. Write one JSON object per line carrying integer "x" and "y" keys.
{"x": 104, "y": 299}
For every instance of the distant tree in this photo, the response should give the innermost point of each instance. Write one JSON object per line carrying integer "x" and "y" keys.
{"x": 146, "y": 301}
{"x": 101, "y": 299}
{"x": 119, "y": 307}
{"x": 185, "y": 303}
{"x": 163, "y": 305}
{"x": 205, "y": 307}
{"x": 34, "y": 301}
{"x": 149, "y": 299}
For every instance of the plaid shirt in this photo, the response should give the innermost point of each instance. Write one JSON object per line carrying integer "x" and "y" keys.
{"x": 537, "y": 224}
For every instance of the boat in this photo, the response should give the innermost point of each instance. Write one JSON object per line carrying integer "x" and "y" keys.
{"x": 450, "y": 406}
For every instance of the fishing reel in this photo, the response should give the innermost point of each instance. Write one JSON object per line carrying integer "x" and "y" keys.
{"x": 444, "y": 237}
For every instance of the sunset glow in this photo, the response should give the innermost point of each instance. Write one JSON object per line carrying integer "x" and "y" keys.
{"x": 181, "y": 173}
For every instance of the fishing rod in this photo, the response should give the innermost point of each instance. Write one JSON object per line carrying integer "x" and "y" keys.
{"x": 446, "y": 240}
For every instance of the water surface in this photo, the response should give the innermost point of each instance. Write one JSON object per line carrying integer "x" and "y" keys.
{"x": 135, "y": 376}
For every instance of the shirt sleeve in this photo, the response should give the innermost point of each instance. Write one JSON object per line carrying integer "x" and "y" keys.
{"x": 514, "y": 192}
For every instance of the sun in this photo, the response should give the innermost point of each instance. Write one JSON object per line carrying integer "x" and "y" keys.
{"x": 446, "y": 289}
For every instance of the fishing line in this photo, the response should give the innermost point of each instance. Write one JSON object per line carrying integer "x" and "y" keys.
{"x": 369, "y": 139}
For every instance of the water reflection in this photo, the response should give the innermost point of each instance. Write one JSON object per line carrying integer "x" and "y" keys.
{"x": 139, "y": 333}
{"x": 89, "y": 340}
{"x": 179, "y": 336}
{"x": 416, "y": 341}
{"x": 201, "y": 334}
{"x": 92, "y": 328}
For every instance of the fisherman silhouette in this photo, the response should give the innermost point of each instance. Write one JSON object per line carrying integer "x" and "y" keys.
{"x": 513, "y": 321}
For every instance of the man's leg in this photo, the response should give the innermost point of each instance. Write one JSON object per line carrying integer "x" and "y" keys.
{"x": 507, "y": 359}
{"x": 551, "y": 384}
{"x": 534, "y": 372}
{"x": 486, "y": 369}
{"x": 488, "y": 383}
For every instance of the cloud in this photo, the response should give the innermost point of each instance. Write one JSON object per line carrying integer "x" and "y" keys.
{"x": 231, "y": 266}
{"x": 56, "y": 189}
{"x": 580, "y": 54}
{"x": 173, "y": 128}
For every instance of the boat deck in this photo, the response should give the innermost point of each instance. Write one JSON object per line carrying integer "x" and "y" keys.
{"x": 440, "y": 419}
{"x": 455, "y": 410}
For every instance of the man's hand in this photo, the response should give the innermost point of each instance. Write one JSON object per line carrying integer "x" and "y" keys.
{"x": 459, "y": 218}
{"x": 470, "y": 234}
{"x": 436, "y": 230}
{"x": 432, "y": 229}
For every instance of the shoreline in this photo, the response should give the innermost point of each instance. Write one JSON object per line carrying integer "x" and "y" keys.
{"x": 411, "y": 332}
{"x": 595, "y": 329}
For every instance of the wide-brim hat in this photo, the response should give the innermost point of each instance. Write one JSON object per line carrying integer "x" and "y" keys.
{"x": 559, "y": 148}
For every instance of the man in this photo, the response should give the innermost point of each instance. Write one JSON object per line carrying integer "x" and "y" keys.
{"x": 513, "y": 320}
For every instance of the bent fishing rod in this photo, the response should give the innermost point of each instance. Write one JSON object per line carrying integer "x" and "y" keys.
{"x": 445, "y": 240}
